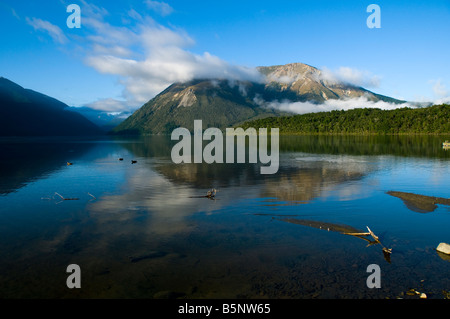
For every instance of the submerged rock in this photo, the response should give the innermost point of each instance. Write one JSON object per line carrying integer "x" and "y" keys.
{"x": 444, "y": 248}
{"x": 420, "y": 203}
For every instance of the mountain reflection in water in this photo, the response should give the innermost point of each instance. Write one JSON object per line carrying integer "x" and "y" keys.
{"x": 141, "y": 231}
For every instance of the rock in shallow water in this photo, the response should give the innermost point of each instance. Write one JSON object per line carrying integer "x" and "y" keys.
{"x": 444, "y": 248}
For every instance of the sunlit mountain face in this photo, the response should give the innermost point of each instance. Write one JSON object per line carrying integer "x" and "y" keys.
{"x": 223, "y": 103}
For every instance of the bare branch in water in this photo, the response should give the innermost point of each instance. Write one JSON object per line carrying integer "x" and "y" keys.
{"x": 66, "y": 198}
{"x": 60, "y": 196}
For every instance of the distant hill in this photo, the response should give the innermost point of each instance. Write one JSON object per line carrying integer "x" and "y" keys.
{"x": 105, "y": 120}
{"x": 427, "y": 120}
{"x": 222, "y": 103}
{"x": 217, "y": 102}
{"x": 24, "y": 112}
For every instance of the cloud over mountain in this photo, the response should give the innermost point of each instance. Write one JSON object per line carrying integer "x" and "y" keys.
{"x": 329, "y": 105}
{"x": 351, "y": 76}
{"x": 439, "y": 89}
{"x": 148, "y": 57}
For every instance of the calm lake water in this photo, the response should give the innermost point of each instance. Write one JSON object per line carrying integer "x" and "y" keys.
{"x": 140, "y": 231}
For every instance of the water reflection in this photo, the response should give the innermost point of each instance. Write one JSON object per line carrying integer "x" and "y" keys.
{"x": 299, "y": 172}
{"x": 420, "y": 203}
{"x": 404, "y": 145}
{"x": 168, "y": 194}
{"x": 23, "y": 161}
{"x": 144, "y": 230}
{"x": 443, "y": 256}
{"x": 344, "y": 230}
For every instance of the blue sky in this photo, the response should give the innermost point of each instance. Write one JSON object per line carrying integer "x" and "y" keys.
{"x": 127, "y": 51}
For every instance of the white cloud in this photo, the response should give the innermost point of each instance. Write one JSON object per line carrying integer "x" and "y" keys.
{"x": 439, "y": 89}
{"x": 160, "y": 7}
{"x": 441, "y": 95}
{"x": 134, "y": 15}
{"x": 148, "y": 57}
{"x": 14, "y": 13}
{"x": 53, "y": 30}
{"x": 109, "y": 105}
{"x": 444, "y": 100}
{"x": 351, "y": 76}
{"x": 93, "y": 11}
{"x": 329, "y": 105}
{"x": 114, "y": 50}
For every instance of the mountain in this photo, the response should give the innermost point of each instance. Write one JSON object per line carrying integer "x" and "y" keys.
{"x": 218, "y": 103}
{"x": 303, "y": 83}
{"x": 224, "y": 103}
{"x": 24, "y": 112}
{"x": 105, "y": 120}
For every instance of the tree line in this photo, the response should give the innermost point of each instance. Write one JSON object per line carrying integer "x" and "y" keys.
{"x": 427, "y": 120}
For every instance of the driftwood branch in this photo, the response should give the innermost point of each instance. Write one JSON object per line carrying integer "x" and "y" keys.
{"x": 386, "y": 251}
{"x": 357, "y": 234}
{"x": 373, "y": 235}
{"x": 370, "y": 233}
{"x": 63, "y": 198}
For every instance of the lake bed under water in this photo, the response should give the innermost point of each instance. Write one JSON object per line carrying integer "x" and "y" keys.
{"x": 142, "y": 231}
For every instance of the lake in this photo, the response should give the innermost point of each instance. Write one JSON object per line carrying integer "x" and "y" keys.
{"x": 145, "y": 230}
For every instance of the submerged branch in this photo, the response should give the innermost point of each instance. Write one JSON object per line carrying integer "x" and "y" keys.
{"x": 386, "y": 251}
{"x": 63, "y": 198}
{"x": 345, "y": 230}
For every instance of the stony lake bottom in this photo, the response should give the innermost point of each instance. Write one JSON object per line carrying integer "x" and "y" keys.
{"x": 145, "y": 230}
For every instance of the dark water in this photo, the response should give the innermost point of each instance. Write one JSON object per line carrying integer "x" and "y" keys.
{"x": 138, "y": 231}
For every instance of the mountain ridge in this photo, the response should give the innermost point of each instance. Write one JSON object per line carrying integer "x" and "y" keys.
{"x": 223, "y": 103}
{"x": 24, "y": 112}
{"x": 214, "y": 101}
{"x": 311, "y": 84}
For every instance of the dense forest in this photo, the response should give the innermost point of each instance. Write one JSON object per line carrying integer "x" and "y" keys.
{"x": 428, "y": 120}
